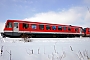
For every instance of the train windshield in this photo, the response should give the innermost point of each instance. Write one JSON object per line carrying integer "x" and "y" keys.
{"x": 9, "y": 25}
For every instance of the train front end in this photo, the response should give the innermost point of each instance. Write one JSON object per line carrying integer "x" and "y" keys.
{"x": 11, "y": 29}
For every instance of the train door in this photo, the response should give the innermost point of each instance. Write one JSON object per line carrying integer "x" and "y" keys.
{"x": 80, "y": 30}
{"x": 16, "y": 27}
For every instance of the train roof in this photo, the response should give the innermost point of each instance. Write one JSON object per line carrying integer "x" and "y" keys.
{"x": 22, "y": 21}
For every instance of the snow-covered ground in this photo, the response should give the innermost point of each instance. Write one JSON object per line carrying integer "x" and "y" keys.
{"x": 45, "y": 49}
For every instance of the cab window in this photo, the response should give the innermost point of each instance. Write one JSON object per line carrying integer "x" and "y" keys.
{"x": 33, "y": 26}
{"x": 9, "y": 25}
{"x": 41, "y": 27}
{"x": 16, "y": 25}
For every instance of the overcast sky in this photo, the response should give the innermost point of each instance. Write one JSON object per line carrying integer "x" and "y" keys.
{"x": 73, "y": 12}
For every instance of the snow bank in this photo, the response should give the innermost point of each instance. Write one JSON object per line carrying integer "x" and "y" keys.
{"x": 46, "y": 49}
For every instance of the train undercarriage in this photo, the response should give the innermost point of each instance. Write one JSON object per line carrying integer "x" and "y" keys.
{"x": 38, "y": 35}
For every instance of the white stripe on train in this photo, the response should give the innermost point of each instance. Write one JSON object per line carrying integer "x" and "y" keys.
{"x": 43, "y": 32}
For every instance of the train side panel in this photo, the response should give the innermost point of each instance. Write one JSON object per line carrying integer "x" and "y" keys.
{"x": 16, "y": 28}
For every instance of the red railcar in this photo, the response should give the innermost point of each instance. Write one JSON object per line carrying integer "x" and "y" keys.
{"x": 86, "y": 32}
{"x": 18, "y": 28}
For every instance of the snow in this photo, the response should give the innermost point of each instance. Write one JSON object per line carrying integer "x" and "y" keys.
{"x": 45, "y": 49}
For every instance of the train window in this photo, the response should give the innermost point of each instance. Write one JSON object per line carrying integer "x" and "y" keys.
{"x": 41, "y": 27}
{"x": 84, "y": 30}
{"x": 9, "y": 25}
{"x": 89, "y": 30}
{"x": 69, "y": 28}
{"x": 48, "y": 27}
{"x": 33, "y": 26}
{"x": 16, "y": 25}
{"x": 54, "y": 27}
{"x": 64, "y": 28}
{"x": 59, "y": 28}
{"x": 76, "y": 29}
{"x": 25, "y": 25}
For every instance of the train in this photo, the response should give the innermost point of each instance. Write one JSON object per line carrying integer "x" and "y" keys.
{"x": 29, "y": 29}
